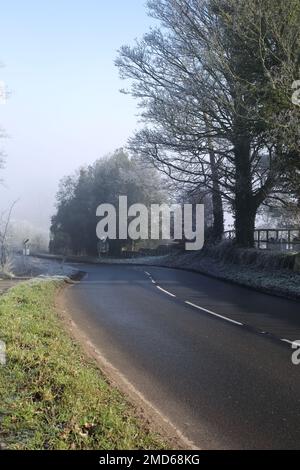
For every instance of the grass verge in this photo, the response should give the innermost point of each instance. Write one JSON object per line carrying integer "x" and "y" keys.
{"x": 52, "y": 396}
{"x": 263, "y": 274}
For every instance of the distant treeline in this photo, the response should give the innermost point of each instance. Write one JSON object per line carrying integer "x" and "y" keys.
{"x": 73, "y": 228}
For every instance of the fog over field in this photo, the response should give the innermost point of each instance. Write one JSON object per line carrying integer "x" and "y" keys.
{"x": 64, "y": 108}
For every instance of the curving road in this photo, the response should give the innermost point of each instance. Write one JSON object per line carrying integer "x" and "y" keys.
{"x": 208, "y": 354}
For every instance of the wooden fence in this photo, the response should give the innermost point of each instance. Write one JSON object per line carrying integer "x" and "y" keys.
{"x": 274, "y": 239}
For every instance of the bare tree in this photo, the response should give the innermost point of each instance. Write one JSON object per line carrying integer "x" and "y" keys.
{"x": 209, "y": 83}
{"x": 4, "y": 231}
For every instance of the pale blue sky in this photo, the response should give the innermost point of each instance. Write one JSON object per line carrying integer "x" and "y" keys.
{"x": 65, "y": 108}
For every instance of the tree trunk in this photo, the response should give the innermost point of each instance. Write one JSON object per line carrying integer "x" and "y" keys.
{"x": 245, "y": 203}
{"x": 218, "y": 213}
{"x": 245, "y": 226}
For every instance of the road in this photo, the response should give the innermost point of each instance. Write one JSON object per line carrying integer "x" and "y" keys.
{"x": 198, "y": 350}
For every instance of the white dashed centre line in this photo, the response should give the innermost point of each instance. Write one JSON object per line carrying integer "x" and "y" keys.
{"x": 209, "y": 311}
{"x": 288, "y": 341}
{"x": 166, "y": 292}
{"x": 194, "y": 305}
{"x": 214, "y": 314}
{"x": 150, "y": 277}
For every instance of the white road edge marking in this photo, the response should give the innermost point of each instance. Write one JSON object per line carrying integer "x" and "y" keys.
{"x": 214, "y": 314}
{"x": 166, "y": 292}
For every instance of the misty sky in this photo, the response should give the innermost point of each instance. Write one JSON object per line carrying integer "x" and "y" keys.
{"x": 65, "y": 108}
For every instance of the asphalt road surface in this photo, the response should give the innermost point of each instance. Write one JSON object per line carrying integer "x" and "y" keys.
{"x": 209, "y": 355}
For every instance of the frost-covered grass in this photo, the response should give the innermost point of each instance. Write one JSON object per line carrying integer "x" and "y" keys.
{"x": 137, "y": 261}
{"x": 52, "y": 395}
{"x": 30, "y": 266}
{"x": 262, "y": 274}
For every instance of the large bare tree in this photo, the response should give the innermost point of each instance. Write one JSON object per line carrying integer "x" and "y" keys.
{"x": 214, "y": 85}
